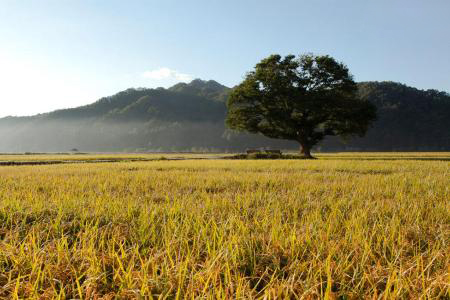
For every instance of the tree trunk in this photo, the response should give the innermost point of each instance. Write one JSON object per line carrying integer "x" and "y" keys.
{"x": 306, "y": 151}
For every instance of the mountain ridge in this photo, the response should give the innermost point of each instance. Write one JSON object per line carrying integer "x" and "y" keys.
{"x": 191, "y": 115}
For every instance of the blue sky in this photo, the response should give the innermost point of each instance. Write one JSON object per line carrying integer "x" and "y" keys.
{"x": 58, "y": 54}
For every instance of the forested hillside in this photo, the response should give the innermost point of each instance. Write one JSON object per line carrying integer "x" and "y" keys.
{"x": 190, "y": 117}
{"x": 408, "y": 118}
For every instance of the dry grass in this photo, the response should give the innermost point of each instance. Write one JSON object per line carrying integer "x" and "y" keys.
{"x": 329, "y": 228}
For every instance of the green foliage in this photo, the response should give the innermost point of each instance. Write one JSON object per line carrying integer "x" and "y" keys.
{"x": 302, "y": 99}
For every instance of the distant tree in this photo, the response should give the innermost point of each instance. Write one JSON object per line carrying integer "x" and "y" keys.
{"x": 302, "y": 99}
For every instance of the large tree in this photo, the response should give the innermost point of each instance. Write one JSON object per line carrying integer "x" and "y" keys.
{"x": 301, "y": 98}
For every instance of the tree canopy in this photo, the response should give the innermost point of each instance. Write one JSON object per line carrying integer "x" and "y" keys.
{"x": 301, "y": 98}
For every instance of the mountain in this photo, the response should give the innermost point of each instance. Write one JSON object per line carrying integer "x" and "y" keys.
{"x": 408, "y": 118}
{"x": 190, "y": 116}
{"x": 183, "y": 117}
{"x": 209, "y": 89}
